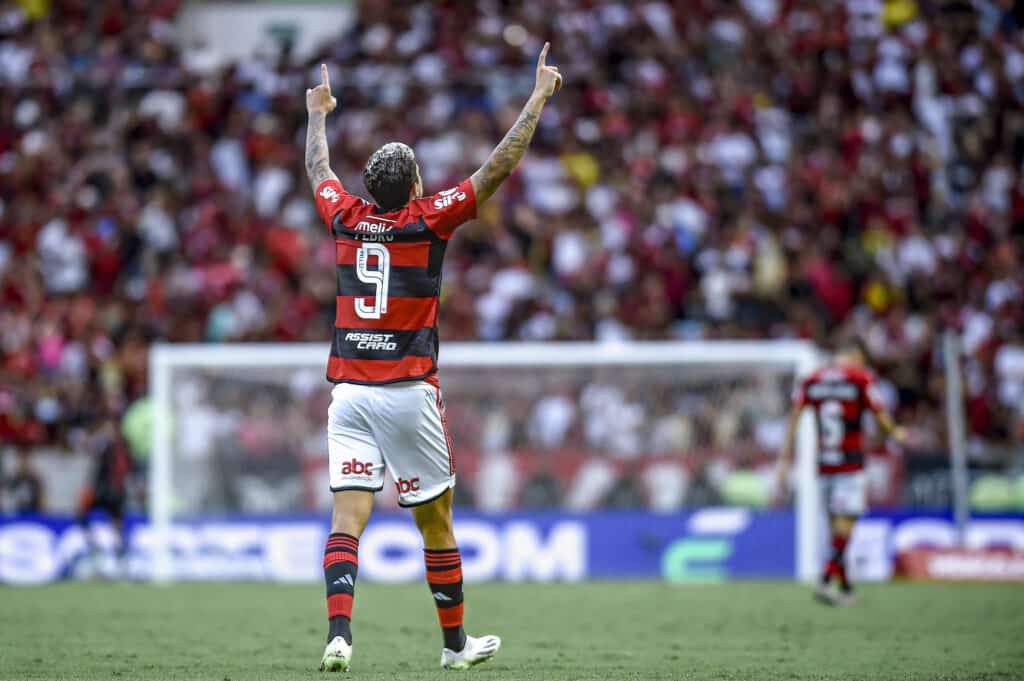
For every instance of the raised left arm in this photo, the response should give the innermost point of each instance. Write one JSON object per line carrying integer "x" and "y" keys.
{"x": 506, "y": 156}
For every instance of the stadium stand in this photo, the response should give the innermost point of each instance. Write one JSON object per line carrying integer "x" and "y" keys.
{"x": 702, "y": 175}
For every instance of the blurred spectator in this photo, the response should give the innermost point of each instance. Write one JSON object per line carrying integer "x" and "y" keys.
{"x": 23, "y": 490}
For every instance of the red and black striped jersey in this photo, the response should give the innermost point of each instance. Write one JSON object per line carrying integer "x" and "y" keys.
{"x": 840, "y": 395}
{"x": 389, "y": 282}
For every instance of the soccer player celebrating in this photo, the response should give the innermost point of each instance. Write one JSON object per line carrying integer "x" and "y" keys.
{"x": 386, "y": 408}
{"x": 840, "y": 394}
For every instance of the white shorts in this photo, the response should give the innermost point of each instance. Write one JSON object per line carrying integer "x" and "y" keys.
{"x": 401, "y": 426}
{"x": 845, "y": 494}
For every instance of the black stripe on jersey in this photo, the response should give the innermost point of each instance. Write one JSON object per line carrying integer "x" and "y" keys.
{"x": 848, "y": 458}
{"x": 404, "y": 282}
{"x": 383, "y": 344}
{"x": 409, "y": 232}
{"x": 435, "y": 257}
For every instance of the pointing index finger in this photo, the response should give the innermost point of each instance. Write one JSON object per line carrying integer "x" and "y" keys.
{"x": 324, "y": 77}
{"x": 543, "y": 54}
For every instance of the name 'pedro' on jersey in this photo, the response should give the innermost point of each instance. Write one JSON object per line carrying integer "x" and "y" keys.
{"x": 389, "y": 282}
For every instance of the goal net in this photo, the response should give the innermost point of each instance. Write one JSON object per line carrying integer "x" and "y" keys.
{"x": 239, "y": 430}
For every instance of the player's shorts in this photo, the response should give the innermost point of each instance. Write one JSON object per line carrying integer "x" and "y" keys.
{"x": 401, "y": 426}
{"x": 845, "y": 493}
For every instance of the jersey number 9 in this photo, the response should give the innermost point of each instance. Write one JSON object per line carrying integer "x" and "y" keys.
{"x": 378, "y": 277}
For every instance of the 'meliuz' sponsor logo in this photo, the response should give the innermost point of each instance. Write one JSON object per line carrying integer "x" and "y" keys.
{"x": 372, "y": 227}
{"x": 371, "y": 341}
{"x": 374, "y": 231}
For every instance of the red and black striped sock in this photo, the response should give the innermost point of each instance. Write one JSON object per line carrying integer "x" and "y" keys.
{"x": 839, "y": 560}
{"x": 830, "y": 571}
{"x": 444, "y": 577}
{"x": 341, "y": 564}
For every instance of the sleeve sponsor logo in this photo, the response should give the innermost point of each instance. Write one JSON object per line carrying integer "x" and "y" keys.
{"x": 448, "y": 197}
{"x": 330, "y": 194}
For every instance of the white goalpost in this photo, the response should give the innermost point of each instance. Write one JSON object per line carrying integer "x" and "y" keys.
{"x": 222, "y": 380}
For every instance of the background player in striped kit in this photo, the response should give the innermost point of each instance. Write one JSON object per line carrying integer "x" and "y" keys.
{"x": 840, "y": 394}
{"x": 386, "y": 408}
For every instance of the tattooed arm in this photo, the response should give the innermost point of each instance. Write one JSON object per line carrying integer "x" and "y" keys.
{"x": 319, "y": 103}
{"x": 505, "y": 157}
{"x": 318, "y": 163}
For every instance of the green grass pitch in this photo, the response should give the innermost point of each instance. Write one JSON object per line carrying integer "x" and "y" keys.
{"x": 592, "y": 631}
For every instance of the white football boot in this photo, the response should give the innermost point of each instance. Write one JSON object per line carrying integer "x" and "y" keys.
{"x": 846, "y": 598}
{"x": 337, "y": 656}
{"x": 475, "y": 651}
{"x": 824, "y": 593}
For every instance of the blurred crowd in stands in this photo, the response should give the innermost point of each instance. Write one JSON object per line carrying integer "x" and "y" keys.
{"x": 747, "y": 169}
{"x": 666, "y": 435}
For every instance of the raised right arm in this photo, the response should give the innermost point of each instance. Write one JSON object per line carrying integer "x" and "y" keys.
{"x": 319, "y": 103}
{"x": 506, "y": 156}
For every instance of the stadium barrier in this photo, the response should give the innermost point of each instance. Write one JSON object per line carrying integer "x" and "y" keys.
{"x": 711, "y": 544}
{"x": 962, "y": 565}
